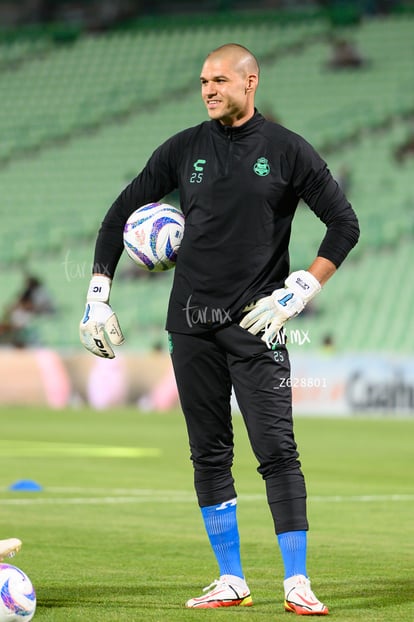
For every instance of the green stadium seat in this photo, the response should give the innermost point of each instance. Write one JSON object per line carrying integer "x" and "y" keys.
{"x": 98, "y": 108}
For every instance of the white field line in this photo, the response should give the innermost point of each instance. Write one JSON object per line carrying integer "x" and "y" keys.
{"x": 105, "y": 496}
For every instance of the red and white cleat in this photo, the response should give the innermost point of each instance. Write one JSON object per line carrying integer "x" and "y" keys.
{"x": 300, "y": 599}
{"x": 228, "y": 591}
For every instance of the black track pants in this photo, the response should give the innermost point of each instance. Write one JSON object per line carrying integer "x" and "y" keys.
{"x": 206, "y": 366}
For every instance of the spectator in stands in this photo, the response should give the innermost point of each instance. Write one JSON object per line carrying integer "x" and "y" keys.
{"x": 345, "y": 55}
{"x": 15, "y": 325}
{"x": 328, "y": 344}
{"x": 405, "y": 149}
{"x": 35, "y": 296}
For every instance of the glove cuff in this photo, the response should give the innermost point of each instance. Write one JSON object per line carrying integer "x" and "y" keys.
{"x": 304, "y": 284}
{"x": 99, "y": 289}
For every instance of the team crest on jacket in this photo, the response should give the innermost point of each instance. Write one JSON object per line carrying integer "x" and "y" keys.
{"x": 262, "y": 167}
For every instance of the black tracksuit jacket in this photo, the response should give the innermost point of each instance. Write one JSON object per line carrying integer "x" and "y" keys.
{"x": 239, "y": 189}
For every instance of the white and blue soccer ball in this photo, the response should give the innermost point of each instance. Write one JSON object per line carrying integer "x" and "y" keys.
{"x": 152, "y": 236}
{"x": 17, "y": 595}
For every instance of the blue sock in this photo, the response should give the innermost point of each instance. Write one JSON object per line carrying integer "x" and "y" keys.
{"x": 221, "y": 525}
{"x": 293, "y": 548}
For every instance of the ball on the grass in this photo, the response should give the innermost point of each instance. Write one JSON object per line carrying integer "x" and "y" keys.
{"x": 17, "y": 595}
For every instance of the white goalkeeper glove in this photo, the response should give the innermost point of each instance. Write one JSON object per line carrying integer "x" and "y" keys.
{"x": 99, "y": 327}
{"x": 270, "y": 313}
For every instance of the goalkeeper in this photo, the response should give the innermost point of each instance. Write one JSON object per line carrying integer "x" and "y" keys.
{"x": 240, "y": 179}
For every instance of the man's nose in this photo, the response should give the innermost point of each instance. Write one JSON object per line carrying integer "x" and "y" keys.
{"x": 210, "y": 89}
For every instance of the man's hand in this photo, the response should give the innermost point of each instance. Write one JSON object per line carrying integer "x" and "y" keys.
{"x": 269, "y": 314}
{"x": 99, "y": 328}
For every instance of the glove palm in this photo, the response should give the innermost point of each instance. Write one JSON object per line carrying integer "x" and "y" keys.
{"x": 270, "y": 313}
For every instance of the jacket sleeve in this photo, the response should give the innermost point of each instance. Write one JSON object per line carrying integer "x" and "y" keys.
{"x": 315, "y": 185}
{"x": 157, "y": 179}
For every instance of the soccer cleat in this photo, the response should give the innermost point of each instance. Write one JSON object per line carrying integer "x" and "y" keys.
{"x": 227, "y": 591}
{"x": 9, "y": 547}
{"x": 300, "y": 599}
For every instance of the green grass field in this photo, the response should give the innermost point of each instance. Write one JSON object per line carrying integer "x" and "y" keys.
{"x": 116, "y": 533}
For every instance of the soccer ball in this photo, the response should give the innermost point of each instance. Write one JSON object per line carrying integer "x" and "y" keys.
{"x": 17, "y": 596}
{"x": 152, "y": 236}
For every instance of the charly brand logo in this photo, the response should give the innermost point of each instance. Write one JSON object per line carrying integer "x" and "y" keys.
{"x": 262, "y": 167}
{"x": 197, "y": 176}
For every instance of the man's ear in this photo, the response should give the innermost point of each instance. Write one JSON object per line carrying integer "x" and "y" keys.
{"x": 251, "y": 83}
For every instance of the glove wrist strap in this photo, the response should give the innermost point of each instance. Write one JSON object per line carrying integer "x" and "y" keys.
{"x": 304, "y": 284}
{"x": 99, "y": 289}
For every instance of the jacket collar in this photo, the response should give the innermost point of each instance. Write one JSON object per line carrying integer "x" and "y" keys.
{"x": 240, "y": 130}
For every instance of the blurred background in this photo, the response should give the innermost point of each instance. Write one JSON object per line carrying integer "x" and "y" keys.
{"x": 89, "y": 89}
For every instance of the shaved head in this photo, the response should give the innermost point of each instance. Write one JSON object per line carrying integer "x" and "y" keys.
{"x": 229, "y": 79}
{"x": 240, "y": 57}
